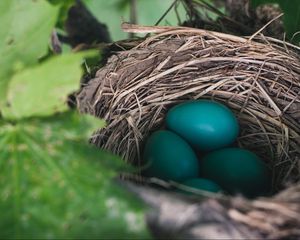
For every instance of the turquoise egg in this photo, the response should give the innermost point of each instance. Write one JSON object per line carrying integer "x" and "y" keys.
{"x": 169, "y": 157}
{"x": 206, "y": 125}
{"x": 236, "y": 171}
{"x": 202, "y": 184}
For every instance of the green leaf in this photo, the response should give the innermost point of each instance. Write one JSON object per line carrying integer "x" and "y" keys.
{"x": 64, "y": 6}
{"x": 53, "y": 185}
{"x": 24, "y": 35}
{"x": 61, "y": 2}
{"x": 42, "y": 89}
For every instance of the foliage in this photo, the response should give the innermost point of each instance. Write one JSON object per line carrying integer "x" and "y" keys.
{"x": 113, "y": 12}
{"x": 52, "y": 183}
{"x": 64, "y": 6}
{"x": 55, "y": 186}
{"x": 291, "y": 18}
{"x": 43, "y": 94}
{"x": 23, "y": 42}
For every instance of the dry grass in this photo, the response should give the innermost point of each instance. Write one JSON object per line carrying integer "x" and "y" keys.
{"x": 257, "y": 77}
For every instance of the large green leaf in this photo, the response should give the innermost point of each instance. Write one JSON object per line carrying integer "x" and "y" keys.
{"x": 42, "y": 90}
{"x": 53, "y": 185}
{"x": 24, "y": 35}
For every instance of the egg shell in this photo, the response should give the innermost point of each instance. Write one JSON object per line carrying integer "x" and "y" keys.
{"x": 237, "y": 170}
{"x": 206, "y": 125}
{"x": 169, "y": 157}
{"x": 202, "y": 184}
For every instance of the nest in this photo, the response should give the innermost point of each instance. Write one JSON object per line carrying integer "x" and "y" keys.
{"x": 257, "y": 77}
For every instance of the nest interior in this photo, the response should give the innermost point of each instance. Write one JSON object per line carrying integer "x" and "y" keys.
{"x": 257, "y": 77}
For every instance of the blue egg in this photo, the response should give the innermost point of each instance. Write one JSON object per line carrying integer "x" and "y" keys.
{"x": 238, "y": 171}
{"x": 169, "y": 157}
{"x": 206, "y": 125}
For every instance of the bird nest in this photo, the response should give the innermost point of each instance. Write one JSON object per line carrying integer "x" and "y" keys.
{"x": 257, "y": 77}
